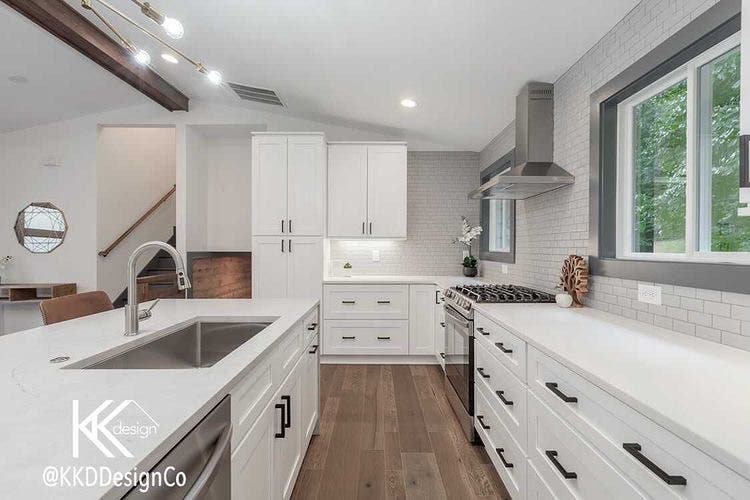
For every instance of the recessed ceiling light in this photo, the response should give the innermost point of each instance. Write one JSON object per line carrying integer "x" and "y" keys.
{"x": 409, "y": 103}
{"x": 18, "y": 79}
{"x": 169, "y": 58}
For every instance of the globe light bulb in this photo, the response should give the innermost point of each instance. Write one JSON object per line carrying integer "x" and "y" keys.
{"x": 142, "y": 57}
{"x": 214, "y": 77}
{"x": 173, "y": 27}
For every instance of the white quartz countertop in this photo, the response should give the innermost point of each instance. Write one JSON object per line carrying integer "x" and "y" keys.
{"x": 699, "y": 390}
{"x": 441, "y": 281}
{"x": 37, "y": 397}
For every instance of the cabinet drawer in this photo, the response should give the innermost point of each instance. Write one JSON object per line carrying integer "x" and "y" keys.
{"x": 509, "y": 460}
{"x": 505, "y": 393}
{"x": 609, "y": 424}
{"x": 366, "y": 337}
{"x": 366, "y": 301}
{"x": 536, "y": 488}
{"x": 249, "y": 397}
{"x": 506, "y": 347}
{"x": 572, "y": 468}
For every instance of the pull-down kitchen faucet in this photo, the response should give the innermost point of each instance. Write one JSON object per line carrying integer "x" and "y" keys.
{"x": 131, "y": 308}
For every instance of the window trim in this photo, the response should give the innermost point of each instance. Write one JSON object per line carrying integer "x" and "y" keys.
{"x": 711, "y": 27}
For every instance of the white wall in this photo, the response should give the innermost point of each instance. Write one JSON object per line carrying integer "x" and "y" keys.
{"x": 195, "y": 221}
{"x": 136, "y": 166}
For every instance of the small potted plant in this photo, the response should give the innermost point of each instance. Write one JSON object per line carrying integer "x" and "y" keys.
{"x": 347, "y": 270}
{"x": 469, "y": 234}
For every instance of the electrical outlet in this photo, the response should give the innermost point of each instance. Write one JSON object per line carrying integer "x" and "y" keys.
{"x": 376, "y": 255}
{"x": 504, "y": 269}
{"x": 649, "y": 294}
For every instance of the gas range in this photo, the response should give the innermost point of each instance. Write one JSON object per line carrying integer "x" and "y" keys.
{"x": 463, "y": 297}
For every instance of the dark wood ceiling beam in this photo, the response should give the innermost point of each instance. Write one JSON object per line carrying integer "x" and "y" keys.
{"x": 73, "y": 28}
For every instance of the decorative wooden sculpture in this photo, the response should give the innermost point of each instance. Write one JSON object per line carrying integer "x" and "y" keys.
{"x": 574, "y": 278}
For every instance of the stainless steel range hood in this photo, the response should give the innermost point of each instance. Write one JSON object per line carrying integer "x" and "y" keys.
{"x": 534, "y": 172}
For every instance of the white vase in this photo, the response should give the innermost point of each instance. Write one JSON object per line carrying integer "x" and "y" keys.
{"x": 564, "y": 300}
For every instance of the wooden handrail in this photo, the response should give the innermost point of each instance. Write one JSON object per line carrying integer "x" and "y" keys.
{"x": 137, "y": 223}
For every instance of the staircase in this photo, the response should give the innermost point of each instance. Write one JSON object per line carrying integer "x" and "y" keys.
{"x": 158, "y": 280}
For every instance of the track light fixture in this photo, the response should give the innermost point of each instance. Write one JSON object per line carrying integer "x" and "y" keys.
{"x": 172, "y": 26}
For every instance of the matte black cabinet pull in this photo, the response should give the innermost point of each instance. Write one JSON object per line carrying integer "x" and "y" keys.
{"x": 282, "y": 225}
{"x": 349, "y": 338}
{"x": 282, "y": 246}
{"x": 290, "y": 245}
{"x": 500, "y": 346}
{"x": 290, "y": 226}
{"x": 481, "y": 372}
{"x": 281, "y": 434}
{"x": 481, "y": 330}
{"x": 363, "y": 227}
{"x": 348, "y": 301}
{"x": 506, "y": 402}
{"x": 384, "y": 302}
{"x": 384, "y": 338}
{"x": 288, "y": 401}
{"x": 442, "y": 355}
{"x": 507, "y": 464}
{"x": 437, "y": 296}
{"x": 442, "y": 323}
{"x": 552, "y": 455}
{"x": 314, "y": 350}
{"x": 481, "y": 422}
{"x": 370, "y": 227}
{"x": 635, "y": 450}
{"x": 552, "y": 386}
{"x": 312, "y": 326}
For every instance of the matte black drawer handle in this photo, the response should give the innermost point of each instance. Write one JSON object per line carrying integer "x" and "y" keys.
{"x": 384, "y": 338}
{"x": 481, "y": 372}
{"x": 349, "y": 338}
{"x": 281, "y": 407}
{"x": 481, "y": 330}
{"x": 288, "y": 401}
{"x": 348, "y": 301}
{"x": 282, "y": 225}
{"x": 502, "y": 398}
{"x": 312, "y": 326}
{"x": 314, "y": 350}
{"x": 442, "y": 355}
{"x": 384, "y": 302}
{"x": 635, "y": 450}
{"x": 507, "y": 464}
{"x": 552, "y": 386}
{"x": 290, "y": 225}
{"x": 442, "y": 323}
{"x": 437, "y": 296}
{"x": 552, "y": 455}
{"x": 481, "y": 422}
{"x": 500, "y": 346}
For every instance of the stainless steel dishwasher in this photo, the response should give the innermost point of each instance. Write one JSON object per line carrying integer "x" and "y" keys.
{"x": 204, "y": 455}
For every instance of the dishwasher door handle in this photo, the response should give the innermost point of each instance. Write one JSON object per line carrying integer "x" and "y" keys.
{"x": 209, "y": 472}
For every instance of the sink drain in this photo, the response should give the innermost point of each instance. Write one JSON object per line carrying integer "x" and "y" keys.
{"x": 59, "y": 359}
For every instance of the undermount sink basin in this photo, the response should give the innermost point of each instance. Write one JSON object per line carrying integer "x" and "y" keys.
{"x": 197, "y": 346}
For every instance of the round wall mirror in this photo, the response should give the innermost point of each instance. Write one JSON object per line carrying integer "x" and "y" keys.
{"x": 41, "y": 227}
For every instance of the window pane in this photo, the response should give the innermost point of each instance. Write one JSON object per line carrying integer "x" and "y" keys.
{"x": 499, "y": 239}
{"x": 720, "y": 229}
{"x": 659, "y": 161}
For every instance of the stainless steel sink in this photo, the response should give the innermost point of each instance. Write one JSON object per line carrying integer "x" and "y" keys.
{"x": 197, "y": 346}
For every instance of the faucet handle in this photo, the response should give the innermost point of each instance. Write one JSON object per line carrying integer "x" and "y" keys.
{"x": 146, "y": 313}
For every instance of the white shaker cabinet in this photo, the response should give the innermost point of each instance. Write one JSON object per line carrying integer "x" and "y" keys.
{"x": 422, "y": 319}
{"x": 288, "y": 193}
{"x": 367, "y": 190}
{"x": 287, "y": 267}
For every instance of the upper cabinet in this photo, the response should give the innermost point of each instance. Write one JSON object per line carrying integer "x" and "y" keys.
{"x": 367, "y": 190}
{"x": 288, "y": 184}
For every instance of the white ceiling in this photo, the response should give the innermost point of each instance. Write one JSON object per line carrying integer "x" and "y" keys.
{"x": 352, "y": 61}
{"x": 61, "y": 83}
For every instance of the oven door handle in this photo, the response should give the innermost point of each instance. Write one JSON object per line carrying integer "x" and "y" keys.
{"x": 458, "y": 319}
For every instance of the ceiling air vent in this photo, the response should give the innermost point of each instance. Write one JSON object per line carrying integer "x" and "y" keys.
{"x": 256, "y": 94}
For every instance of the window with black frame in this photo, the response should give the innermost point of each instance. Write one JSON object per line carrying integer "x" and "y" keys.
{"x": 498, "y": 219}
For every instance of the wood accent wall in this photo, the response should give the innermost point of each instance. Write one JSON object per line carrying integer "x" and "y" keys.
{"x": 222, "y": 277}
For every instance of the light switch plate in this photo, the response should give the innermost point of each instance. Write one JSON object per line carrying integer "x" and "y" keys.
{"x": 376, "y": 255}
{"x": 650, "y": 294}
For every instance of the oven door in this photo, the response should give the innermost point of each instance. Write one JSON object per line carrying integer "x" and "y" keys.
{"x": 459, "y": 356}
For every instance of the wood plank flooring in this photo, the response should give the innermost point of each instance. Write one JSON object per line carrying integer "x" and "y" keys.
{"x": 388, "y": 432}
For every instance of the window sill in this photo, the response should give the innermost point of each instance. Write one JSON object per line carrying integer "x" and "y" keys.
{"x": 725, "y": 277}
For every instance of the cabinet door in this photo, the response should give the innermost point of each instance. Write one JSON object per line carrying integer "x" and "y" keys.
{"x": 310, "y": 403}
{"x": 386, "y": 191}
{"x": 306, "y": 185}
{"x": 439, "y": 327}
{"x": 287, "y": 450}
{"x": 305, "y": 267}
{"x": 422, "y": 319}
{"x": 269, "y": 185}
{"x": 347, "y": 190}
{"x": 252, "y": 475}
{"x": 269, "y": 267}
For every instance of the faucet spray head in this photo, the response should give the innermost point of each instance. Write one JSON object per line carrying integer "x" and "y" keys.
{"x": 183, "y": 282}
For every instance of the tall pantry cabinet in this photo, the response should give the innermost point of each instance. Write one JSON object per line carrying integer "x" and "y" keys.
{"x": 288, "y": 214}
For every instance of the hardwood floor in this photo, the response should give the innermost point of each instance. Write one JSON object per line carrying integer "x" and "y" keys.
{"x": 387, "y": 431}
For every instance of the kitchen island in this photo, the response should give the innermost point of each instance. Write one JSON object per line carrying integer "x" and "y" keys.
{"x": 37, "y": 418}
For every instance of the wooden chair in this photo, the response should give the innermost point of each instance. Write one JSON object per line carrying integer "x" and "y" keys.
{"x": 74, "y": 306}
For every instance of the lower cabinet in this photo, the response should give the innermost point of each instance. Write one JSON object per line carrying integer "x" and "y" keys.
{"x": 266, "y": 461}
{"x": 439, "y": 327}
{"x": 422, "y": 319}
